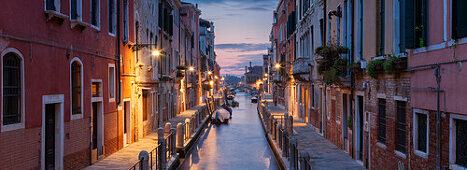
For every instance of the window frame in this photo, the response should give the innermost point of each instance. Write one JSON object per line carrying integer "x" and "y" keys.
{"x": 98, "y": 15}
{"x": 415, "y": 133}
{"x": 79, "y": 10}
{"x": 126, "y": 22}
{"x": 77, "y": 116}
{"x": 20, "y": 125}
{"x": 111, "y": 99}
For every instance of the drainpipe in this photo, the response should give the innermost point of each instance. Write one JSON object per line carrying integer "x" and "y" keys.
{"x": 352, "y": 76}
{"x": 118, "y": 64}
{"x": 437, "y": 73}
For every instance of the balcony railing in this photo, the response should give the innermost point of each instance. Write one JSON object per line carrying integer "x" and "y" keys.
{"x": 300, "y": 66}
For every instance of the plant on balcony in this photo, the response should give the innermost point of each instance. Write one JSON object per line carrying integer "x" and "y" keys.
{"x": 375, "y": 67}
{"x": 180, "y": 73}
{"x": 355, "y": 67}
{"x": 182, "y": 67}
{"x": 332, "y": 66}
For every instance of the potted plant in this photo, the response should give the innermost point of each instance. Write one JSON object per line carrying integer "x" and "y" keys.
{"x": 374, "y": 68}
{"x": 332, "y": 66}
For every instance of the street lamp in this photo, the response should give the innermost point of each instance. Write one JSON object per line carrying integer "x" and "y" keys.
{"x": 277, "y": 66}
{"x": 209, "y": 72}
{"x": 265, "y": 74}
{"x": 211, "y": 83}
{"x": 156, "y": 53}
{"x": 191, "y": 68}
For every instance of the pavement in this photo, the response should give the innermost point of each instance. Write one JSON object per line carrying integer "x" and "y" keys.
{"x": 126, "y": 157}
{"x": 323, "y": 153}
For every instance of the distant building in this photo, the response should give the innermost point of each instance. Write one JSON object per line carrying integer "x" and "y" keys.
{"x": 253, "y": 74}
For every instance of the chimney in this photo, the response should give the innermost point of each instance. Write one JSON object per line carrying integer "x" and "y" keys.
{"x": 250, "y": 64}
{"x": 196, "y": 5}
{"x": 246, "y": 69}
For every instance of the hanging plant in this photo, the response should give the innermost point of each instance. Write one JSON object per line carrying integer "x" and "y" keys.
{"x": 332, "y": 66}
{"x": 374, "y": 68}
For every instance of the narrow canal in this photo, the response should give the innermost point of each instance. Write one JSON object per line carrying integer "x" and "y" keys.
{"x": 239, "y": 145}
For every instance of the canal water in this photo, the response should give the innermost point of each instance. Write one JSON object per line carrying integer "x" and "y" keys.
{"x": 239, "y": 145}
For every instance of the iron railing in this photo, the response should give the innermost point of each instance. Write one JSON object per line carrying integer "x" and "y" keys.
{"x": 137, "y": 166}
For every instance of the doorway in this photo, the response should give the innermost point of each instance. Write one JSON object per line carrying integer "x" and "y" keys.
{"x": 306, "y": 105}
{"x": 126, "y": 122}
{"x": 359, "y": 123}
{"x": 97, "y": 149}
{"x": 52, "y": 132}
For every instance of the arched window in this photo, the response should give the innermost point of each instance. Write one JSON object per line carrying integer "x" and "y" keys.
{"x": 11, "y": 89}
{"x": 76, "y": 88}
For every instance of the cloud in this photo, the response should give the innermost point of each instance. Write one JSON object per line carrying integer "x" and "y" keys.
{"x": 243, "y": 47}
{"x": 256, "y": 9}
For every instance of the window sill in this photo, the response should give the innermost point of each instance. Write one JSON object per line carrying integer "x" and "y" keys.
{"x": 55, "y": 15}
{"x": 78, "y": 24}
{"x": 400, "y": 154}
{"x": 456, "y": 167}
{"x": 381, "y": 145}
{"x": 12, "y": 127}
{"x": 77, "y": 116}
{"x": 97, "y": 28}
{"x": 111, "y": 100}
{"x": 421, "y": 154}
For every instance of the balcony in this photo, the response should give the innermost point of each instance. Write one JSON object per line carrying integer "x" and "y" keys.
{"x": 301, "y": 69}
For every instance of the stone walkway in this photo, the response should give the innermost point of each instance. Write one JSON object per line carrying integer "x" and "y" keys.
{"x": 127, "y": 156}
{"x": 324, "y": 154}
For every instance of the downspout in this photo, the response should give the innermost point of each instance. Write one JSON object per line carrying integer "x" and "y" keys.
{"x": 118, "y": 65}
{"x": 352, "y": 76}
{"x": 438, "y": 117}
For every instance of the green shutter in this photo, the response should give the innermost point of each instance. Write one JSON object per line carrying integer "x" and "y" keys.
{"x": 160, "y": 15}
{"x": 407, "y": 24}
{"x": 459, "y": 18}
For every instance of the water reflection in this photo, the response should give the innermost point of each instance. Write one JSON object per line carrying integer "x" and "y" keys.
{"x": 239, "y": 145}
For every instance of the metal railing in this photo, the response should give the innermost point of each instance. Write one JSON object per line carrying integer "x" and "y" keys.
{"x": 154, "y": 156}
{"x": 137, "y": 166}
{"x": 170, "y": 145}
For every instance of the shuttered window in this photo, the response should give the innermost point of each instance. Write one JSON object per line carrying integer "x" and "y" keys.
{"x": 11, "y": 89}
{"x": 459, "y": 19}
{"x": 382, "y": 121}
{"x": 74, "y": 9}
{"x": 112, "y": 16}
{"x": 76, "y": 88}
{"x": 401, "y": 124}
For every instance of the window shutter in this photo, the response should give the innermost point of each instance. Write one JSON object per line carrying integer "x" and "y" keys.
{"x": 407, "y": 24}
{"x": 459, "y": 18}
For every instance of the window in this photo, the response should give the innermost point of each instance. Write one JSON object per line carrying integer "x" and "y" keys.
{"x": 53, "y": 5}
{"x": 414, "y": 24}
{"x": 360, "y": 30}
{"x": 76, "y": 88}
{"x": 111, "y": 82}
{"x": 75, "y": 10}
{"x": 420, "y": 131}
{"x": 95, "y": 13}
{"x": 145, "y": 105}
{"x": 96, "y": 89}
{"x": 125, "y": 21}
{"x": 321, "y": 31}
{"x": 401, "y": 127}
{"x": 112, "y": 16}
{"x": 12, "y": 89}
{"x": 382, "y": 121}
{"x": 461, "y": 142}
{"x": 313, "y": 95}
{"x": 381, "y": 26}
{"x": 459, "y": 19}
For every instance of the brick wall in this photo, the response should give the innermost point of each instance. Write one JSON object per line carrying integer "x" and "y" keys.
{"x": 110, "y": 133}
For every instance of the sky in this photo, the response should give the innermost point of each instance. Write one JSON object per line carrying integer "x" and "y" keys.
{"x": 242, "y": 30}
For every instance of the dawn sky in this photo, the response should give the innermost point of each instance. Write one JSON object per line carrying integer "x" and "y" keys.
{"x": 242, "y": 29}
